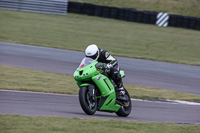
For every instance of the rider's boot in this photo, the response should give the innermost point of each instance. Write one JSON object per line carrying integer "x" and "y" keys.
{"x": 120, "y": 91}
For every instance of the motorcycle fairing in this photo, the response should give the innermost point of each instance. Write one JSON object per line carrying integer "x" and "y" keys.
{"x": 108, "y": 95}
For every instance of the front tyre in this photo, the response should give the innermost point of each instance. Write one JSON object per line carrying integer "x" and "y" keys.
{"x": 88, "y": 105}
{"x": 125, "y": 110}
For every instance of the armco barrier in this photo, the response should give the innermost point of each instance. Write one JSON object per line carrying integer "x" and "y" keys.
{"x": 129, "y": 14}
{"x": 40, "y": 6}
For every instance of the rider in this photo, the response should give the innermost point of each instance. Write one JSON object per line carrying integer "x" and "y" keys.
{"x": 92, "y": 51}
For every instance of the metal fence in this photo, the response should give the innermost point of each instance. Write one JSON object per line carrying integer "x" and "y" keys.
{"x": 41, "y": 6}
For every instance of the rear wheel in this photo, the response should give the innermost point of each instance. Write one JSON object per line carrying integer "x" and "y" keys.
{"x": 126, "y": 108}
{"x": 88, "y": 105}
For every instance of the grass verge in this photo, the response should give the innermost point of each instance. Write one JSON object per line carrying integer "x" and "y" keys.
{"x": 120, "y": 38}
{"x": 25, "y": 124}
{"x": 14, "y": 78}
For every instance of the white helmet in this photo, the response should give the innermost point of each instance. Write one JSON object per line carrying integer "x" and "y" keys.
{"x": 92, "y": 51}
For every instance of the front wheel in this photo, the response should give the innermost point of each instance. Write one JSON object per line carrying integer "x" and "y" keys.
{"x": 126, "y": 108}
{"x": 88, "y": 105}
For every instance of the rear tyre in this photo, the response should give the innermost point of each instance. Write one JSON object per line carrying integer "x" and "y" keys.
{"x": 125, "y": 110}
{"x": 88, "y": 105}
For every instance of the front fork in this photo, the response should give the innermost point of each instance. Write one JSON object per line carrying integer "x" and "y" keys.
{"x": 91, "y": 89}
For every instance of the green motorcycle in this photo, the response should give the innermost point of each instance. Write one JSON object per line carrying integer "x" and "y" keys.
{"x": 97, "y": 89}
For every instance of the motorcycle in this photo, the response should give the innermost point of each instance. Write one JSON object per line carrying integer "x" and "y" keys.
{"x": 97, "y": 89}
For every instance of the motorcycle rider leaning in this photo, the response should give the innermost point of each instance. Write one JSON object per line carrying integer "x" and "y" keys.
{"x": 100, "y": 55}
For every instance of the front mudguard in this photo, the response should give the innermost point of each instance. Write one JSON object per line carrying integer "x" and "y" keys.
{"x": 84, "y": 84}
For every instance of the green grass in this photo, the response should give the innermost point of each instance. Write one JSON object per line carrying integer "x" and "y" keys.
{"x": 120, "y": 38}
{"x": 182, "y": 7}
{"x": 25, "y": 124}
{"x": 14, "y": 78}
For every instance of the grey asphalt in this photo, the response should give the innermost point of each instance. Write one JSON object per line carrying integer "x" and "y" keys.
{"x": 41, "y": 104}
{"x": 171, "y": 76}
{"x": 184, "y": 78}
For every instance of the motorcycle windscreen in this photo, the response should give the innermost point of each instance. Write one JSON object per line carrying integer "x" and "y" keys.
{"x": 85, "y": 62}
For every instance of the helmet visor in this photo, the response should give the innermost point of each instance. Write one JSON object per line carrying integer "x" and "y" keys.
{"x": 95, "y": 56}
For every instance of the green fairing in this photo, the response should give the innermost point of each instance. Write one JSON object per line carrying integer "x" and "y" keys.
{"x": 107, "y": 90}
{"x": 83, "y": 76}
{"x": 122, "y": 74}
{"x": 88, "y": 72}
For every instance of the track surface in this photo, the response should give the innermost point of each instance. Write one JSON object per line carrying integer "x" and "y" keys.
{"x": 178, "y": 77}
{"x": 40, "y": 104}
{"x": 184, "y": 78}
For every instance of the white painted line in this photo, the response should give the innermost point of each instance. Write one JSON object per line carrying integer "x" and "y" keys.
{"x": 168, "y": 101}
{"x": 186, "y": 102}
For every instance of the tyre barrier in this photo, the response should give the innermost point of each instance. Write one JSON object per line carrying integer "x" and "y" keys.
{"x": 133, "y": 15}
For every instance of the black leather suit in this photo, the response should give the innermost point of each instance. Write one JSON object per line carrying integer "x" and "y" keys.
{"x": 105, "y": 57}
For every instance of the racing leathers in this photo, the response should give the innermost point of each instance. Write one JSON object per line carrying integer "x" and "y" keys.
{"x": 112, "y": 65}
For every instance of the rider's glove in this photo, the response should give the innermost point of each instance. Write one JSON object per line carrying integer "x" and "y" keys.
{"x": 108, "y": 66}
